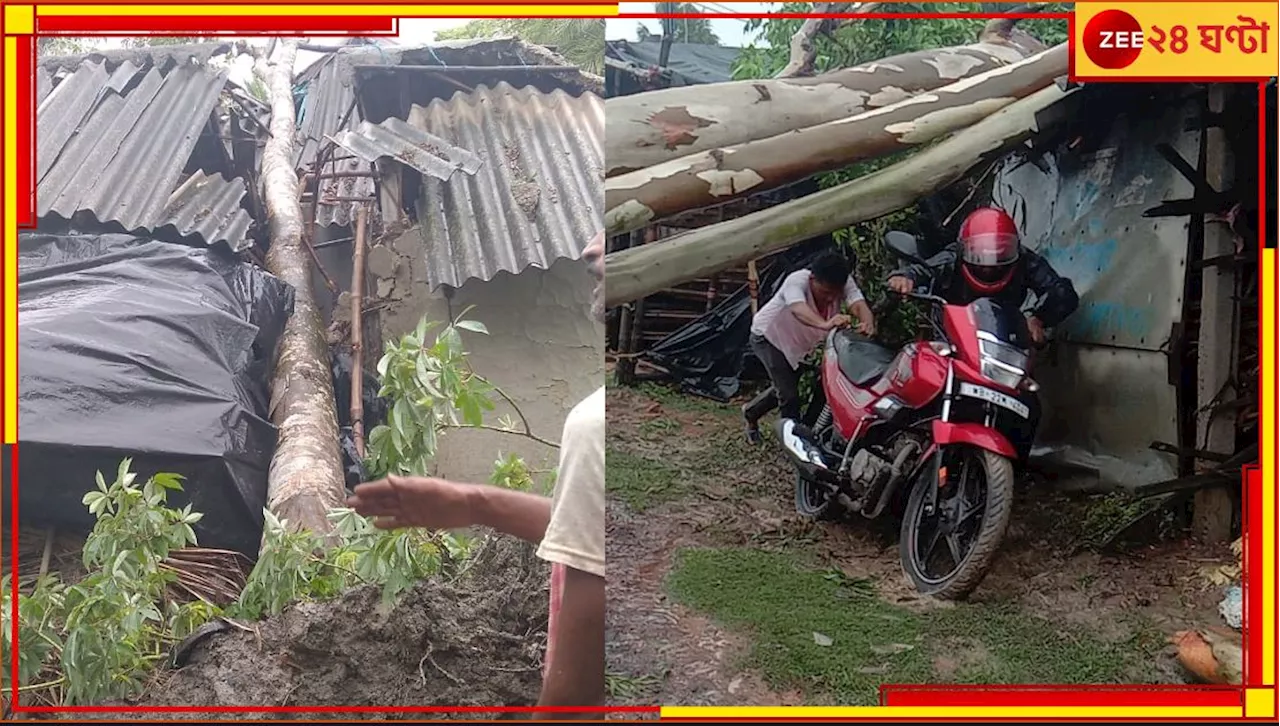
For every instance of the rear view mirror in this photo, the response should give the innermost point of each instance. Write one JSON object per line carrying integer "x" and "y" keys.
{"x": 903, "y": 245}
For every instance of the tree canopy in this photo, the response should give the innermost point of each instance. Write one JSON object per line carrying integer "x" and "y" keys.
{"x": 580, "y": 41}
{"x": 857, "y": 41}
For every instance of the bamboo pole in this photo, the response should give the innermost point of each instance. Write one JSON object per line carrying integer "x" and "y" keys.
{"x": 357, "y": 324}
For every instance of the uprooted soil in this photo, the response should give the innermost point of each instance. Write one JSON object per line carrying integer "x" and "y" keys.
{"x": 477, "y": 641}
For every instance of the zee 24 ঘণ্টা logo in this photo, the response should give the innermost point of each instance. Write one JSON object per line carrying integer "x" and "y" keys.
{"x": 1113, "y": 39}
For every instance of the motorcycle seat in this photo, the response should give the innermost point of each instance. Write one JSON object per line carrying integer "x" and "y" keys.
{"x": 861, "y": 360}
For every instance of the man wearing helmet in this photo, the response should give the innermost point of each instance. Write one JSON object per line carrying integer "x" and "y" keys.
{"x": 993, "y": 264}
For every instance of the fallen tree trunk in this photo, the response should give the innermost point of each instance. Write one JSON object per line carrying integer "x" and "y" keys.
{"x": 649, "y": 128}
{"x": 639, "y": 198}
{"x": 306, "y": 479}
{"x": 644, "y": 270}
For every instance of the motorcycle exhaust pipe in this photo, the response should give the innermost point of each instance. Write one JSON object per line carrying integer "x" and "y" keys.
{"x": 798, "y": 442}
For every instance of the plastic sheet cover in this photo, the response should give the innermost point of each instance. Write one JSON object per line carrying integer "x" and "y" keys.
{"x": 130, "y": 347}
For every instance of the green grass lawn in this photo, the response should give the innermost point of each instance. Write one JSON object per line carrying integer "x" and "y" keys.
{"x": 835, "y": 639}
{"x": 641, "y": 482}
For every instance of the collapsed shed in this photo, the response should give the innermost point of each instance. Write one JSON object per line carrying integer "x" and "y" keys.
{"x": 144, "y": 333}
{"x": 480, "y": 161}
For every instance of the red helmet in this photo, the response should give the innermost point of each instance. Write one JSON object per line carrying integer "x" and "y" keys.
{"x": 989, "y": 249}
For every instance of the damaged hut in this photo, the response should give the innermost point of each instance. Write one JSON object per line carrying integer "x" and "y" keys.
{"x": 144, "y": 332}
{"x": 480, "y": 164}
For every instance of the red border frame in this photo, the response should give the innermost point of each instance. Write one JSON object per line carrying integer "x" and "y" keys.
{"x": 893, "y": 695}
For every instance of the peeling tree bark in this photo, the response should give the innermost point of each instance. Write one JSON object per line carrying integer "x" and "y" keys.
{"x": 644, "y": 270}
{"x": 645, "y": 129}
{"x": 639, "y": 198}
{"x": 306, "y": 480}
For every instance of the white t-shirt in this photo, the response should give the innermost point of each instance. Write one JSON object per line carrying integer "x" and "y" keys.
{"x": 776, "y": 324}
{"x": 575, "y": 535}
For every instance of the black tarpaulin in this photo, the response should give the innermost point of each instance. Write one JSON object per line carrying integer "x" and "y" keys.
{"x": 156, "y": 352}
{"x": 710, "y": 356}
{"x": 689, "y": 63}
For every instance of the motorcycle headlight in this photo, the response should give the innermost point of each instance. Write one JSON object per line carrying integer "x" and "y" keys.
{"x": 1003, "y": 363}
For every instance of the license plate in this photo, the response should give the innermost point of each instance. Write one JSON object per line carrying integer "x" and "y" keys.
{"x": 983, "y": 393}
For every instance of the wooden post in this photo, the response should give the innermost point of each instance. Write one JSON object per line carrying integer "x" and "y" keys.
{"x": 1216, "y": 431}
{"x": 357, "y": 343}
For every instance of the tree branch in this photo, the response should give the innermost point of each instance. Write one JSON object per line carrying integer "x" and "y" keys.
{"x": 804, "y": 52}
{"x": 524, "y": 420}
{"x": 526, "y": 434}
{"x": 1001, "y": 29}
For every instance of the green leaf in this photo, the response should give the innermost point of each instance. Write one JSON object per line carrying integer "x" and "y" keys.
{"x": 383, "y": 363}
{"x": 463, "y": 314}
{"x": 471, "y": 412}
{"x": 474, "y": 326}
{"x": 172, "y": 482}
{"x": 452, "y": 340}
{"x": 400, "y": 416}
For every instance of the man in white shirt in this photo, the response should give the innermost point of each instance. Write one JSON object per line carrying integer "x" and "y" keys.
{"x": 568, "y": 528}
{"x": 796, "y": 319}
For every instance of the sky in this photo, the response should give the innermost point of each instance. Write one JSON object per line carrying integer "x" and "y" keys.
{"x": 418, "y": 31}
{"x": 732, "y": 32}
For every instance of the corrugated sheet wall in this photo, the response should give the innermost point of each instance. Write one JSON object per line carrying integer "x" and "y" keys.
{"x": 537, "y": 197}
{"x": 1106, "y": 388}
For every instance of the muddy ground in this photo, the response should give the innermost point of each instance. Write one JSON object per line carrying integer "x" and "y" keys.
{"x": 475, "y": 642}
{"x": 719, "y": 594}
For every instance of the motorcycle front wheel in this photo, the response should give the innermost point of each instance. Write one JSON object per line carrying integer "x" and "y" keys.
{"x": 964, "y": 528}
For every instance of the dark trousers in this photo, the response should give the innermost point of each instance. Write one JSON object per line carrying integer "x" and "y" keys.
{"x": 785, "y": 393}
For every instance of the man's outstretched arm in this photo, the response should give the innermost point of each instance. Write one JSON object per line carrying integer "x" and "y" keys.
{"x": 515, "y": 513}
{"x": 576, "y": 676}
{"x": 416, "y": 501}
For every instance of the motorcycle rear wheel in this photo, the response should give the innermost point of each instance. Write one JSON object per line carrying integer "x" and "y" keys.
{"x": 813, "y": 501}
{"x": 995, "y": 473}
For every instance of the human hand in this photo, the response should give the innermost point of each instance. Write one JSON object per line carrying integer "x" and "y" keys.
{"x": 901, "y": 284}
{"x": 839, "y": 321}
{"x": 1036, "y": 328}
{"x": 414, "y": 501}
{"x": 867, "y": 328}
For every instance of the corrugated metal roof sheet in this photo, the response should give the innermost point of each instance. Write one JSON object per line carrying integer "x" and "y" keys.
{"x": 539, "y": 195}
{"x": 207, "y": 208}
{"x": 44, "y": 84}
{"x": 329, "y": 95}
{"x": 160, "y": 56}
{"x": 330, "y": 88}
{"x": 413, "y": 147}
{"x": 113, "y": 144}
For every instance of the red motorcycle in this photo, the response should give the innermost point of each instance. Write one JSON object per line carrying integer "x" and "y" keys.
{"x": 928, "y": 423}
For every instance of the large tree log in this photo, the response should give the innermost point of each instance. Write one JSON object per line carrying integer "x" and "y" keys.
{"x": 638, "y": 198}
{"x": 649, "y": 128}
{"x": 643, "y": 270}
{"x": 306, "y": 479}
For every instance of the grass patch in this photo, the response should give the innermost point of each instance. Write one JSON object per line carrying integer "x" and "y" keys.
{"x": 641, "y": 482}
{"x": 671, "y": 398}
{"x": 824, "y": 634}
{"x": 630, "y": 688}
{"x": 658, "y": 428}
